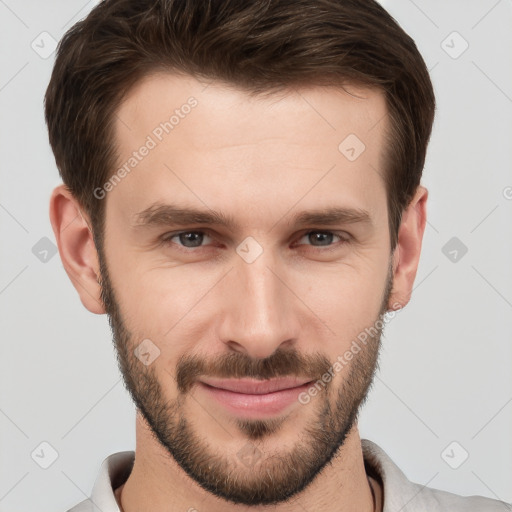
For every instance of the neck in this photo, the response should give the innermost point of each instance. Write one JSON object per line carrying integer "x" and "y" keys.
{"x": 158, "y": 483}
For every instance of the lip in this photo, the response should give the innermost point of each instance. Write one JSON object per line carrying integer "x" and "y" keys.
{"x": 255, "y": 398}
{"x": 254, "y": 386}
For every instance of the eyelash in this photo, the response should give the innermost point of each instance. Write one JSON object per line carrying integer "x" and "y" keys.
{"x": 343, "y": 236}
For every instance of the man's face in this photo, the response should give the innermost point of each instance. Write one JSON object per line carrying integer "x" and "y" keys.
{"x": 267, "y": 297}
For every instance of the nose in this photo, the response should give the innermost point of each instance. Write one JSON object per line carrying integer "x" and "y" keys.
{"x": 258, "y": 308}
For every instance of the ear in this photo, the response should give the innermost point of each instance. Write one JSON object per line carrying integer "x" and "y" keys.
{"x": 76, "y": 247}
{"x": 407, "y": 252}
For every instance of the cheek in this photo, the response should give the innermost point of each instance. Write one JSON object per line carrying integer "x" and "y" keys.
{"x": 346, "y": 298}
{"x": 166, "y": 305}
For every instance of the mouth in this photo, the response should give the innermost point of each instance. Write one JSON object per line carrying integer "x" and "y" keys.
{"x": 255, "y": 398}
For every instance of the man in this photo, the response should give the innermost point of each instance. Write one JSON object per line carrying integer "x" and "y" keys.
{"x": 242, "y": 198}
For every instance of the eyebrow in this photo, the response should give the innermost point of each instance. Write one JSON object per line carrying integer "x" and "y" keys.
{"x": 160, "y": 214}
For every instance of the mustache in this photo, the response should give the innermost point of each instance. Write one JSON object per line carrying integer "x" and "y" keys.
{"x": 282, "y": 363}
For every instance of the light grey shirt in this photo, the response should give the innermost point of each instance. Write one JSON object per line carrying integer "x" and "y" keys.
{"x": 399, "y": 494}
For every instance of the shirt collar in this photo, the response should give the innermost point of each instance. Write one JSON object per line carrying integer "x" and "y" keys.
{"x": 397, "y": 490}
{"x": 114, "y": 471}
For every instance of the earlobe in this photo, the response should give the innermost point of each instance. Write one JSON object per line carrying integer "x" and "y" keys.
{"x": 407, "y": 252}
{"x": 76, "y": 247}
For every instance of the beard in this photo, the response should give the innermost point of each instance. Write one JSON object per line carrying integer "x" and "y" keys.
{"x": 253, "y": 477}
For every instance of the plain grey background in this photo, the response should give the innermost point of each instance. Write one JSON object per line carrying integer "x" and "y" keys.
{"x": 442, "y": 402}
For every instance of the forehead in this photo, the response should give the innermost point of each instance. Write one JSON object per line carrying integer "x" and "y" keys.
{"x": 321, "y": 109}
{"x": 214, "y": 145}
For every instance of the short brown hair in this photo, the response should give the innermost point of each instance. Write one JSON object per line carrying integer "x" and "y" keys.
{"x": 260, "y": 46}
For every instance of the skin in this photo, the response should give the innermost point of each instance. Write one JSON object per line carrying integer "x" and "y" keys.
{"x": 298, "y": 306}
